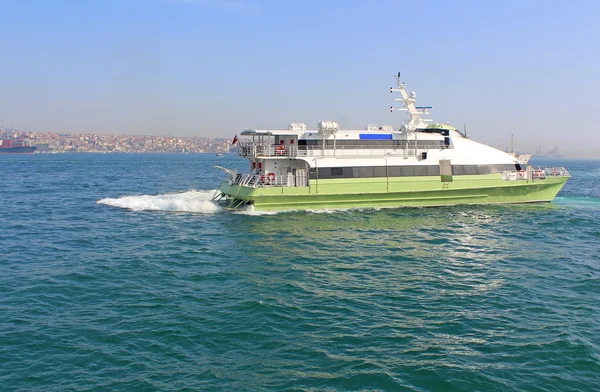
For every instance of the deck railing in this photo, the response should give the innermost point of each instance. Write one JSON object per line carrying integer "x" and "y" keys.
{"x": 252, "y": 150}
{"x": 270, "y": 180}
{"x": 535, "y": 173}
{"x": 289, "y": 180}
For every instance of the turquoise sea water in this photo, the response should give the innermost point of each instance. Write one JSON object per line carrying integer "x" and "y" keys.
{"x": 118, "y": 273}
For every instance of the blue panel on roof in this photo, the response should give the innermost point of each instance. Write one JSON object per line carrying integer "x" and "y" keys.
{"x": 375, "y": 136}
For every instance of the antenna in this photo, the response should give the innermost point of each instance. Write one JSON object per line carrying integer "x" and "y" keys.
{"x": 512, "y": 143}
{"x": 409, "y": 100}
{"x": 465, "y": 129}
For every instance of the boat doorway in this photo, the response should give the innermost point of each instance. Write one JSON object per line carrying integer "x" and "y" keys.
{"x": 301, "y": 176}
{"x": 445, "y": 170}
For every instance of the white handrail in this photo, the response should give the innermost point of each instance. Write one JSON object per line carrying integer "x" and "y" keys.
{"x": 260, "y": 181}
{"x": 252, "y": 150}
{"x": 535, "y": 173}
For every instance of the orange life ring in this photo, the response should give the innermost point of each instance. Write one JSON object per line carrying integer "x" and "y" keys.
{"x": 280, "y": 150}
{"x": 271, "y": 177}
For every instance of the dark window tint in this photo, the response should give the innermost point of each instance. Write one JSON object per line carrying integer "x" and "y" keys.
{"x": 407, "y": 171}
{"x": 379, "y": 171}
{"x": 337, "y": 171}
{"x": 433, "y": 170}
{"x": 365, "y": 172}
{"x": 395, "y": 171}
{"x": 420, "y": 170}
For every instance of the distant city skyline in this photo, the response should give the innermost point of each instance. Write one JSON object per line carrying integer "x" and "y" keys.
{"x": 34, "y": 138}
{"x": 213, "y": 68}
{"x": 49, "y": 142}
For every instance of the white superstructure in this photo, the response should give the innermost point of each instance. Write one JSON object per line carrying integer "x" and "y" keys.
{"x": 416, "y": 143}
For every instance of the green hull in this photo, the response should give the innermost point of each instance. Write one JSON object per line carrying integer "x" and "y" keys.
{"x": 394, "y": 192}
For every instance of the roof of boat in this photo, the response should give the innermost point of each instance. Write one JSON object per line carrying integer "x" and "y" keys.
{"x": 251, "y": 132}
{"x": 287, "y": 132}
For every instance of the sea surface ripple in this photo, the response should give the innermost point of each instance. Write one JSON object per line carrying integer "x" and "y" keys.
{"x": 118, "y": 273}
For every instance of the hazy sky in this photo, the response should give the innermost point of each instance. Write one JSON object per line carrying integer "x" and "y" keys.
{"x": 211, "y": 67}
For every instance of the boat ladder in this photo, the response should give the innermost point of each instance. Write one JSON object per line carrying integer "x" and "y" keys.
{"x": 235, "y": 201}
{"x": 217, "y": 196}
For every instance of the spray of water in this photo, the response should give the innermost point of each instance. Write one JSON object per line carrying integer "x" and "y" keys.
{"x": 199, "y": 202}
{"x": 190, "y": 201}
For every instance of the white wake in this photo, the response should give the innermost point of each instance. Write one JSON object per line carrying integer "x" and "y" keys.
{"x": 190, "y": 201}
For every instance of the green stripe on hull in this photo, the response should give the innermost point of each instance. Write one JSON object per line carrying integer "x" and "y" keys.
{"x": 396, "y": 192}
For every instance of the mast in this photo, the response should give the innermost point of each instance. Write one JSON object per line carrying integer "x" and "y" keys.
{"x": 415, "y": 112}
{"x": 512, "y": 144}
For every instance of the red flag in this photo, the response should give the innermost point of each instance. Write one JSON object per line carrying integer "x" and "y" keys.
{"x": 235, "y": 139}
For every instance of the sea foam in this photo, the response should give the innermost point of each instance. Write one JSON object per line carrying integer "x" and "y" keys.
{"x": 189, "y": 201}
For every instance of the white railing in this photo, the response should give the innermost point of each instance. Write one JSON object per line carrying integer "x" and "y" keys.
{"x": 556, "y": 172}
{"x": 260, "y": 181}
{"x": 251, "y": 150}
{"x": 535, "y": 173}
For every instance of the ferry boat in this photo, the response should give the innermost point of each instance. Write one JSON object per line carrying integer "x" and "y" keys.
{"x": 420, "y": 164}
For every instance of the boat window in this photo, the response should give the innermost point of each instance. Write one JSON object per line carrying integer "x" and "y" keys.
{"x": 365, "y": 172}
{"x": 337, "y": 171}
{"x": 433, "y": 170}
{"x": 407, "y": 171}
{"x": 395, "y": 171}
{"x": 395, "y": 144}
{"x": 487, "y": 169}
{"x": 470, "y": 169}
{"x": 404, "y": 171}
{"x": 444, "y": 132}
{"x": 420, "y": 170}
{"x": 379, "y": 171}
{"x": 306, "y": 142}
